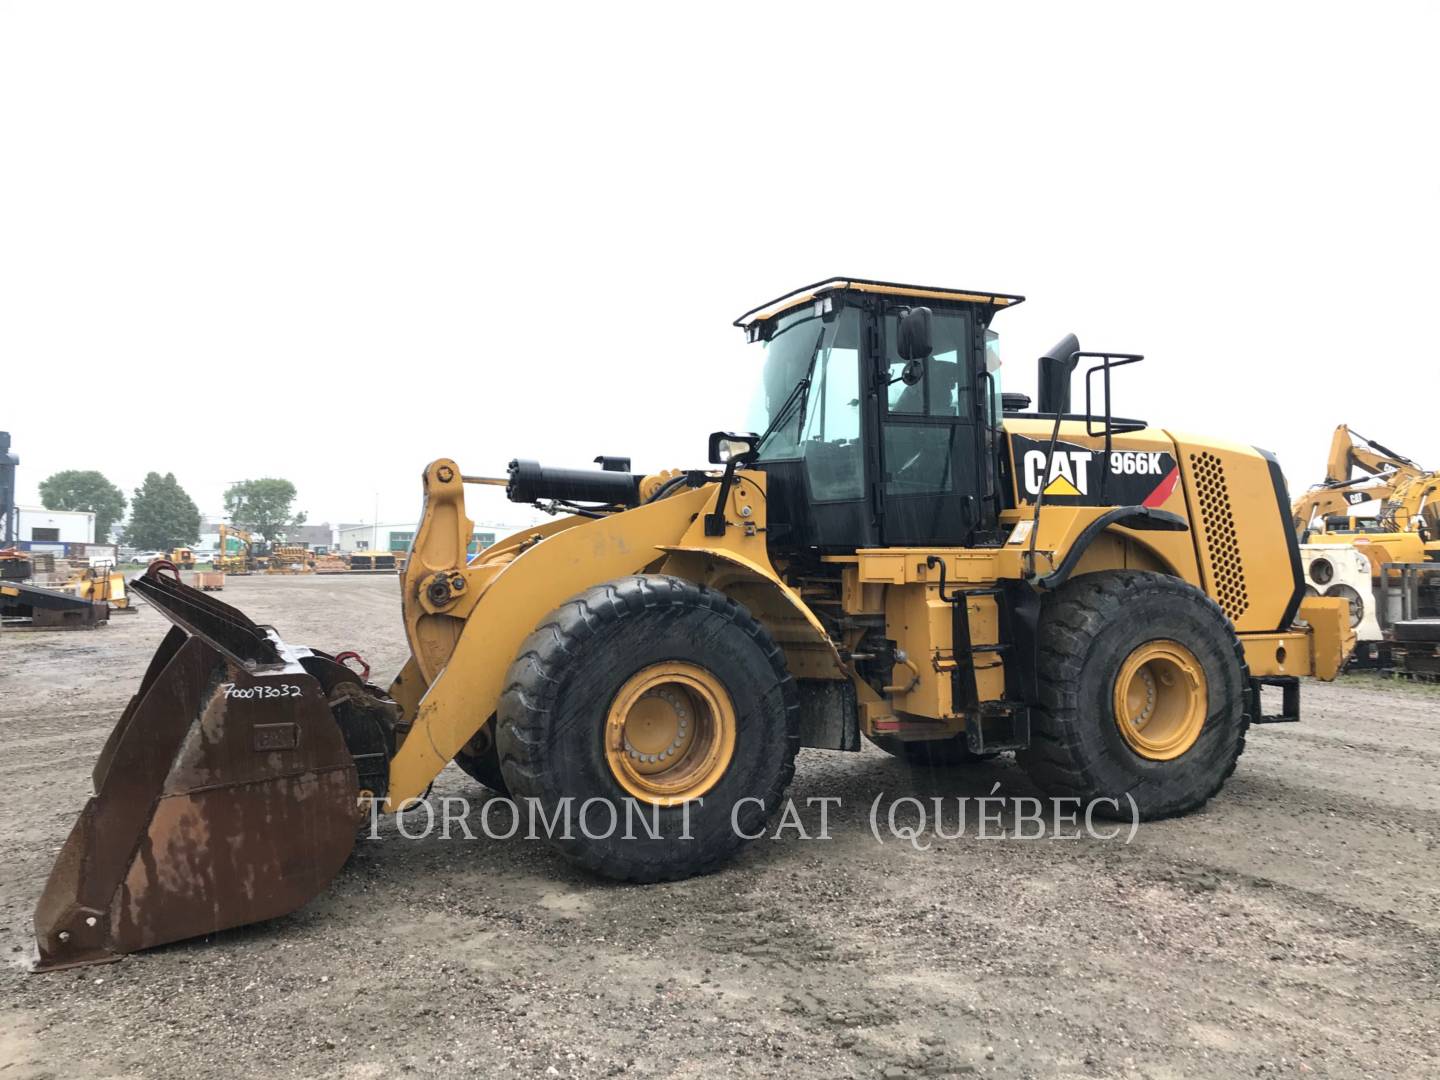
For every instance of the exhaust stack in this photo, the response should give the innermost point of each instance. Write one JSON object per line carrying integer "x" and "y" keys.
{"x": 1056, "y": 368}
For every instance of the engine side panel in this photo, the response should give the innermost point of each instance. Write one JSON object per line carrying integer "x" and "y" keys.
{"x": 1240, "y": 516}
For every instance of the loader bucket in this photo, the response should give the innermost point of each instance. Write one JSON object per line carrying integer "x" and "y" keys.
{"x": 225, "y": 795}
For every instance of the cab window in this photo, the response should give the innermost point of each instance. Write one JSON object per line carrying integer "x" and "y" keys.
{"x": 945, "y": 390}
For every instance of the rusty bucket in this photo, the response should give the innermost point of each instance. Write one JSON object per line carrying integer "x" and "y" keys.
{"x": 228, "y": 792}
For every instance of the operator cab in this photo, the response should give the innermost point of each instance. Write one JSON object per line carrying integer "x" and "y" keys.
{"x": 879, "y": 407}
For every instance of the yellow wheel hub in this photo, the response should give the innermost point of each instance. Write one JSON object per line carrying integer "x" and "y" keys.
{"x": 1161, "y": 700}
{"x": 670, "y": 733}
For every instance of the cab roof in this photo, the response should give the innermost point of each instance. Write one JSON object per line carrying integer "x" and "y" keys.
{"x": 804, "y": 295}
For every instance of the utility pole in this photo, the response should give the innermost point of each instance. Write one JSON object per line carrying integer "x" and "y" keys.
{"x": 8, "y": 461}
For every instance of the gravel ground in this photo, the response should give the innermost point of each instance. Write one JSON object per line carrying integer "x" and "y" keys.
{"x": 1293, "y": 926}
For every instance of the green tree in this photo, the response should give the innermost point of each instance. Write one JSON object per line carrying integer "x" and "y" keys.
{"x": 263, "y": 506}
{"x": 85, "y": 489}
{"x": 162, "y": 516}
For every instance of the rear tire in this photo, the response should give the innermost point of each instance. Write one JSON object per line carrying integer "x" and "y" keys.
{"x": 1093, "y": 633}
{"x": 574, "y": 676}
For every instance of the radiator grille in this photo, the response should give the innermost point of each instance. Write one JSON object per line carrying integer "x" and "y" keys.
{"x": 1227, "y": 574}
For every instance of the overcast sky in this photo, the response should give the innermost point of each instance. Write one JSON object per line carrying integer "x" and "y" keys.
{"x": 332, "y": 242}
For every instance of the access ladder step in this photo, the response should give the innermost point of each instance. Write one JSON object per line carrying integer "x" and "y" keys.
{"x": 998, "y": 725}
{"x": 1290, "y": 699}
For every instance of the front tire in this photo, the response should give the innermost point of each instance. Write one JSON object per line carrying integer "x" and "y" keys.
{"x": 1142, "y": 682}
{"x": 664, "y": 699}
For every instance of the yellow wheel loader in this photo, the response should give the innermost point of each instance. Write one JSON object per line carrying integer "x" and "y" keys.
{"x": 899, "y": 551}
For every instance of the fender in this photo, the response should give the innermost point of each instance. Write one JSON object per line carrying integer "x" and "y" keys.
{"x": 1127, "y": 517}
{"x": 688, "y": 560}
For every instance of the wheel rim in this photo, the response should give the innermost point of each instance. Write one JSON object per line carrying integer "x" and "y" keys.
{"x": 670, "y": 733}
{"x": 1161, "y": 700}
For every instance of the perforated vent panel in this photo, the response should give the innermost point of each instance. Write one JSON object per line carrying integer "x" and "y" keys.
{"x": 1227, "y": 575}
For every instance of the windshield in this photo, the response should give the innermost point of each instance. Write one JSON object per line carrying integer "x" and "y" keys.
{"x": 808, "y": 400}
{"x": 788, "y": 355}
{"x": 805, "y": 346}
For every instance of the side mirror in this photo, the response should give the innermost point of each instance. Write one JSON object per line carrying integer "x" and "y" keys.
{"x": 913, "y": 337}
{"x": 913, "y": 372}
{"x": 741, "y": 447}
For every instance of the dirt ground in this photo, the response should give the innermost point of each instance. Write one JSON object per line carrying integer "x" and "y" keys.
{"x": 1293, "y": 926}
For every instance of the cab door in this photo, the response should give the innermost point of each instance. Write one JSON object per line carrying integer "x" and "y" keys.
{"x": 930, "y": 482}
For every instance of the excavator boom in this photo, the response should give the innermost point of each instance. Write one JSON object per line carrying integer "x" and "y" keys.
{"x": 1350, "y": 451}
{"x": 1398, "y": 483}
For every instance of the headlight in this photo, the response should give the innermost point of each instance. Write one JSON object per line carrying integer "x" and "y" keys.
{"x": 728, "y": 446}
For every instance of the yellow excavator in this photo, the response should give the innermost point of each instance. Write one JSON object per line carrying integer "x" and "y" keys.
{"x": 1358, "y": 471}
{"x": 896, "y": 551}
{"x": 1397, "y": 618}
{"x": 236, "y": 551}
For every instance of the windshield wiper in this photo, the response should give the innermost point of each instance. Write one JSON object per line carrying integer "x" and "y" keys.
{"x": 799, "y": 393}
{"x": 796, "y": 391}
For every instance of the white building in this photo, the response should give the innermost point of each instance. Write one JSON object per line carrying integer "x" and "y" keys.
{"x": 37, "y": 524}
{"x": 395, "y": 538}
